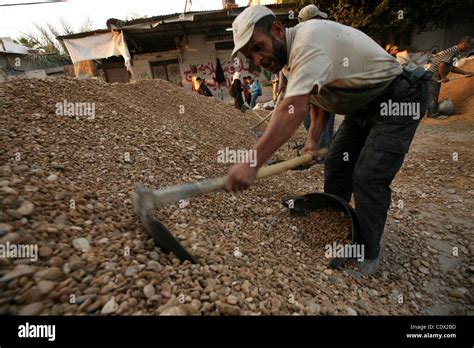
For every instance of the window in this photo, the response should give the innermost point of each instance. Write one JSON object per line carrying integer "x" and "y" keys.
{"x": 166, "y": 70}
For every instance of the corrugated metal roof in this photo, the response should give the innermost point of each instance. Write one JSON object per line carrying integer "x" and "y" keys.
{"x": 8, "y": 46}
{"x": 158, "y": 21}
{"x": 117, "y": 23}
{"x": 84, "y": 34}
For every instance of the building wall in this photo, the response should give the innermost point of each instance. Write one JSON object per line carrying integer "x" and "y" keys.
{"x": 141, "y": 69}
{"x": 4, "y": 63}
{"x": 204, "y": 56}
{"x": 441, "y": 38}
{"x": 22, "y": 63}
{"x": 17, "y": 62}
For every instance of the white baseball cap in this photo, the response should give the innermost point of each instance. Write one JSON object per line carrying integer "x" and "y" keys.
{"x": 243, "y": 25}
{"x": 309, "y": 12}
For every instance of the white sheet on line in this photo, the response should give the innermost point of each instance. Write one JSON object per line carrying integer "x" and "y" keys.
{"x": 98, "y": 47}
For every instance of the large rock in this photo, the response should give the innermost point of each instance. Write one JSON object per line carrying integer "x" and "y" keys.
{"x": 226, "y": 309}
{"x": 18, "y": 271}
{"x": 45, "y": 286}
{"x": 32, "y": 309}
{"x": 233, "y": 300}
{"x": 176, "y": 310}
{"x": 149, "y": 291}
{"x": 26, "y": 209}
{"x": 52, "y": 273}
{"x": 81, "y": 244}
{"x": 110, "y": 307}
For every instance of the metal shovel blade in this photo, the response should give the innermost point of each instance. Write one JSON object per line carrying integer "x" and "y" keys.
{"x": 162, "y": 237}
{"x": 145, "y": 200}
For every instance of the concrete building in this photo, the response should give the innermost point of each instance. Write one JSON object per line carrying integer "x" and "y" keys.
{"x": 17, "y": 59}
{"x": 169, "y": 47}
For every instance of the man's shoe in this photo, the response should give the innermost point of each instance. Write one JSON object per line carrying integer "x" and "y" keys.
{"x": 364, "y": 268}
{"x": 439, "y": 117}
{"x": 338, "y": 262}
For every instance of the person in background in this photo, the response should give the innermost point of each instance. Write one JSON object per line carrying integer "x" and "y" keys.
{"x": 440, "y": 66}
{"x": 282, "y": 80}
{"x": 311, "y": 12}
{"x": 236, "y": 92}
{"x": 393, "y": 51}
{"x": 195, "y": 75}
{"x": 246, "y": 90}
{"x": 202, "y": 88}
{"x": 255, "y": 91}
{"x": 274, "y": 81}
{"x": 307, "y": 13}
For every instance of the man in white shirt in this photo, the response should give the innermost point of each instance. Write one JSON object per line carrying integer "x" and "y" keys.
{"x": 312, "y": 12}
{"x": 344, "y": 71}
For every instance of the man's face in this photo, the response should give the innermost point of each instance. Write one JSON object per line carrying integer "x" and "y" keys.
{"x": 267, "y": 50}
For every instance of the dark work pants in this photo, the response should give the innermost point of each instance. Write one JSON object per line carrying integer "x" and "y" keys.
{"x": 433, "y": 96}
{"x": 367, "y": 152}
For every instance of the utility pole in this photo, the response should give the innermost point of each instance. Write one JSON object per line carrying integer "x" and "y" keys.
{"x": 186, "y": 4}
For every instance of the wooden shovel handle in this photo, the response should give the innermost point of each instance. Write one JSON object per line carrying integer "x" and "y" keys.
{"x": 270, "y": 113}
{"x": 147, "y": 199}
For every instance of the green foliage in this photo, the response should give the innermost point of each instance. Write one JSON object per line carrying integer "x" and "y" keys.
{"x": 379, "y": 17}
{"x": 301, "y": 3}
{"x": 24, "y": 41}
{"x": 382, "y": 16}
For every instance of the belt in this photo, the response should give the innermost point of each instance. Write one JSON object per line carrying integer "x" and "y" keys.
{"x": 413, "y": 77}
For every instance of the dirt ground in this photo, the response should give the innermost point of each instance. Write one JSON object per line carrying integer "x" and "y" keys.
{"x": 66, "y": 186}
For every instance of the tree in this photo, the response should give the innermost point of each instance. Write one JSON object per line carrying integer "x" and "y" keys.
{"x": 377, "y": 18}
{"x": 24, "y": 41}
{"x": 44, "y": 39}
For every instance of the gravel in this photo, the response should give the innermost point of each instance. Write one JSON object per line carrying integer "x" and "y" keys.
{"x": 70, "y": 194}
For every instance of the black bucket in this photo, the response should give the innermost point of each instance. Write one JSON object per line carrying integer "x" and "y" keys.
{"x": 303, "y": 205}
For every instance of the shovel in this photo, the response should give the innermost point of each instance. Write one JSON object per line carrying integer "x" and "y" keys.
{"x": 146, "y": 199}
{"x": 262, "y": 120}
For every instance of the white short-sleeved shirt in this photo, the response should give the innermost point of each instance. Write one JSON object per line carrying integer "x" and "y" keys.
{"x": 347, "y": 66}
